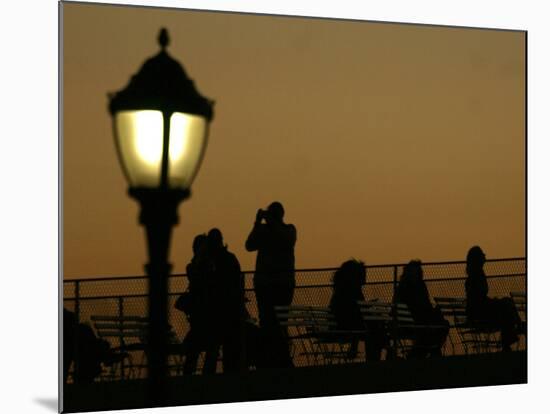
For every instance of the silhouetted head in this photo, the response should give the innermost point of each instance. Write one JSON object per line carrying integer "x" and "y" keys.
{"x": 275, "y": 213}
{"x": 199, "y": 243}
{"x": 215, "y": 239}
{"x": 475, "y": 257}
{"x": 350, "y": 276}
{"x": 68, "y": 317}
{"x": 412, "y": 272}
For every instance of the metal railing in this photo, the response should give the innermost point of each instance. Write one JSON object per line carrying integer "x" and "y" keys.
{"x": 124, "y": 296}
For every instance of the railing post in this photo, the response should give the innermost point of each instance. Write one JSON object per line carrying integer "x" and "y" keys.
{"x": 242, "y": 324}
{"x": 121, "y": 343}
{"x": 394, "y": 312}
{"x": 76, "y": 357}
{"x": 120, "y": 307}
{"x": 394, "y": 283}
{"x": 77, "y": 301}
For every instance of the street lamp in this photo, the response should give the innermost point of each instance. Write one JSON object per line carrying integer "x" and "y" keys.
{"x": 160, "y": 124}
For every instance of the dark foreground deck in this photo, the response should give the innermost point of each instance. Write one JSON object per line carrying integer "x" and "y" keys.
{"x": 375, "y": 377}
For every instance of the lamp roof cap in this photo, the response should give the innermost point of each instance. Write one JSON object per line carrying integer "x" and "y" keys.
{"x": 162, "y": 84}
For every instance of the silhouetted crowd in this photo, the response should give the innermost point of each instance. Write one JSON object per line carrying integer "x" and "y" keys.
{"x": 215, "y": 303}
{"x": 215, "y": 306}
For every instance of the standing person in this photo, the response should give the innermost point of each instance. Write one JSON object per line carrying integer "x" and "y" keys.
{"x": 274, "y": 281}
{"x": 481, "y": 308}
{"x": 196, "y": 303}
{"x": 413, "y": 292}
{"x": 227, "y": 303}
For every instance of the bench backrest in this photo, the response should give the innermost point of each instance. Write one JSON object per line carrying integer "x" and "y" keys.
{"x": 121, "y": 327}
{"x": 312, "y": 317}
{"x": 375, "y": 311}
{"x": 454, "y": 308}
{"x": 520, "y": 302}
{"x": 519, "y": 298}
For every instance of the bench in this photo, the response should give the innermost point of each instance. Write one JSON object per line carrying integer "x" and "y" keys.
{"x": 130, "y": 335}
{"x": 520, "y": 302}
{"x": 399, "y": 325}
{"x": 312, "y": 329}
{"x": 474, "y": 337}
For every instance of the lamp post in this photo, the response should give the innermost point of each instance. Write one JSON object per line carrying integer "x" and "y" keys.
{"x": 160, "y": 124}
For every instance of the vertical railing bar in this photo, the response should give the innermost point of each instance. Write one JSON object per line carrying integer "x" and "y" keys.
{"x": 77, "y": 300}
{"x": 243, "y": 354}
{"x": 121, "y": 343}
{"x": 76, "y": 357}
{"x": 394, "y": 311}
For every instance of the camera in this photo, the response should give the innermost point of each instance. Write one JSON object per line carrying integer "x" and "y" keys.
{"x": 261, "y": 215}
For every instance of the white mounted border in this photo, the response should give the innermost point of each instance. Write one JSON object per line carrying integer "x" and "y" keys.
{"x": 28, "y": 212}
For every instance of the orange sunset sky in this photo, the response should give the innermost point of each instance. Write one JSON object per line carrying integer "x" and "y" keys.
{"x": 384, "y": 142}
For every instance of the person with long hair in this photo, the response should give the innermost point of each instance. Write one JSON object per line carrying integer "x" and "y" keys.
{"x": 348, "y": 282}
{"x": 480, "y": 308}
{"x": 413, "y": 292}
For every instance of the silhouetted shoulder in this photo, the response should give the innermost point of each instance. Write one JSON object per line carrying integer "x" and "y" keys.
{"x": 256, "y": 237}
{"x": 233, "y": 260}
{"x": 291, "y": 229}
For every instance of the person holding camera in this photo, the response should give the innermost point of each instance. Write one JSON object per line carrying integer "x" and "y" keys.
{"x": 274, "y": 278}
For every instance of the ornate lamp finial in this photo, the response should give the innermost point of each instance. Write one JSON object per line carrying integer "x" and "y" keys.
{"x": 162, "y": 84}
{"x": 163, "y": 38}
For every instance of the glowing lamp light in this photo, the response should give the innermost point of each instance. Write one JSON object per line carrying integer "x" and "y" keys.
{"x": 140, "y": 142}
{"x": 160, "y": 125}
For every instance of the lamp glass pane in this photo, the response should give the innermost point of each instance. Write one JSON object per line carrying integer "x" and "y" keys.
{"x": 140, "y": 140}
{"x": 187, "y": 143}
{"x": 139, "y": 135}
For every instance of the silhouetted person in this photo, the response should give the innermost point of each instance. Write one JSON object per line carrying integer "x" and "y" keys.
{"x": 348, "y": 281}
{"x": 228, "y": 296}
{"x": 197, "y": 305}
{"x": 83, "y": 348}
{"x": 500, "y": 313}
{"x": 69, "y": 333}
{"x": 413, "y": 292}
{"x": 274, "y": 281}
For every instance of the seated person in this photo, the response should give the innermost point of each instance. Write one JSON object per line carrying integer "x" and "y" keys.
{"x": 413, "y": 292}
{"x": 348, "y": 281}
{"x": 83, "y": 349}
{"x": 501, "y": 313}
